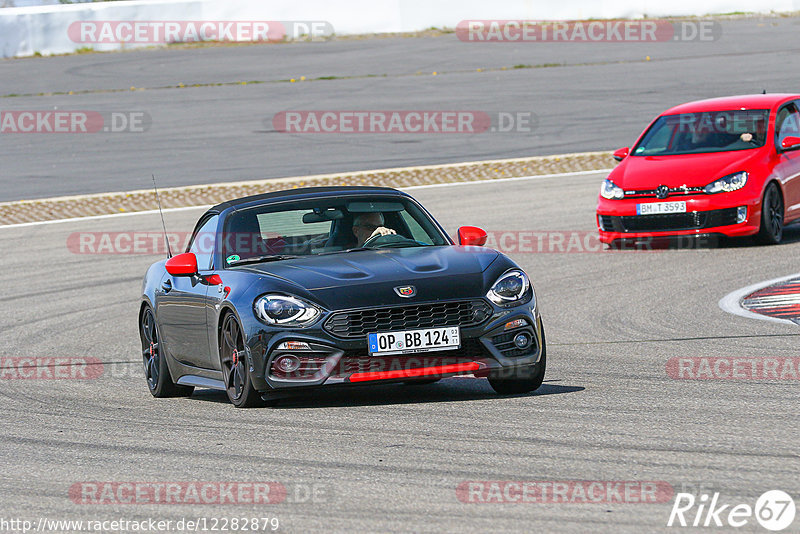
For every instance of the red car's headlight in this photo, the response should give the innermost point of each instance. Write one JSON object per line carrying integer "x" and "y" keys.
{"x": 732, "y": 182}
{"x": 611, "y": 191}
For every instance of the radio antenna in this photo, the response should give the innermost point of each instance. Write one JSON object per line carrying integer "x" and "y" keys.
{"x": 163, "y": 224}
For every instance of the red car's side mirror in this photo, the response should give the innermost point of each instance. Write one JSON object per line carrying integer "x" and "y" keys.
{"x": 182, "y": 265}
{"x": 621, "y": 153}
{"x": 790, "y": 142}
{"x": 472, "y": 236}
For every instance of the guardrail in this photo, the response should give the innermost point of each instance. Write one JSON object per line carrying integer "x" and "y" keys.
{"x": 51, "y": 29}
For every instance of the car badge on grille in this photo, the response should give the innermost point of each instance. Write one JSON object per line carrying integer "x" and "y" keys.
{"x": 406, "y": 291}
{"x": 662, "y": 191}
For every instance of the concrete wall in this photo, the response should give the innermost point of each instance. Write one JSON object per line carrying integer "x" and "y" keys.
{"x": 44, "y": 29}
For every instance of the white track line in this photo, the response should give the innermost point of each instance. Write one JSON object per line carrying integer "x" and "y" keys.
{"x": 96, "y": 217}
{"x": 732, "y": 302}
{"x": 186, "y": 208}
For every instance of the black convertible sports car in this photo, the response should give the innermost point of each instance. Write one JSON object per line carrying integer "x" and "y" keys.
{"x": 322, "y": 287}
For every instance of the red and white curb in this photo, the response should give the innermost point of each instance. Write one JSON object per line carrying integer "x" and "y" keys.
{"x": 776, "y": 300}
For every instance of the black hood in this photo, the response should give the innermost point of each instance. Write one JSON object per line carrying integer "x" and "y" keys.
{"x": 368, "y": 278}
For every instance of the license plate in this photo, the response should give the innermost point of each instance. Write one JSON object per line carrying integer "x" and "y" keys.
{"x": 654, "y": 208}
{"x": 411, "y": 341}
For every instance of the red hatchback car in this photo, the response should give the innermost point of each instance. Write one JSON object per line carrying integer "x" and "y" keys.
{"x": 726, "y": 166}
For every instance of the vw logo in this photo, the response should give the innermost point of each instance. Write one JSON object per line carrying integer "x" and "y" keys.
{"x": 406, "y": 291}
{"x": 662, "y": 191}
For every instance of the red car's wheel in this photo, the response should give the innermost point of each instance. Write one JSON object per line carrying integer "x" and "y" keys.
{"x": 771, "y": 231}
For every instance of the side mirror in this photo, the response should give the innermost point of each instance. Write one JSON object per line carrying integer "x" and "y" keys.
{"x": 472, "y": 236}
{"x": 621, "y": 153}
{"x": 790, "y": 142}
{"x": 182, "y": 265}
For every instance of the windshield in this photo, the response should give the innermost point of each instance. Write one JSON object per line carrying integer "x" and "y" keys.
{"x": 696, "y": 133}
{"x": 326, "y": 226}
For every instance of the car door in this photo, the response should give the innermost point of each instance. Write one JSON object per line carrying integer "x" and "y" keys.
{"x": 788, "y": 166}
{"x": 183, "y": 303}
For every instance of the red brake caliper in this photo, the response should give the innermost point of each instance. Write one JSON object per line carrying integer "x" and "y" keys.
{"x": 152, "y": 352}
{"x": 235, "y": 357}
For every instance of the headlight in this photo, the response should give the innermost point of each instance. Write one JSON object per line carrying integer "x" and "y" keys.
{"x": 611, "y": 191}
{"x": 732, "y": 182}
{"x": 511, "y": 289}
{"x": 285, "y": 310}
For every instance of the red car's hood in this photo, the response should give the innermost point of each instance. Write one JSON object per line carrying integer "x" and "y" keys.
{"x": 692, "y": 170}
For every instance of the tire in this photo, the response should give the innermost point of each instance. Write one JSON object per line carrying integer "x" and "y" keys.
{"x": 515, "y": 386}
{"x": 235, "y": 365}
{"x": 772, "y": 213}
{"x": 156, "y": 372}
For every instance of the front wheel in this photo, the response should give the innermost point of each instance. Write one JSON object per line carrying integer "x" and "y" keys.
{"x": 159, "y": 381}
{"x": 771, "y": 231}
{"x": 235, "y": 365}
{"x": 528, "y": 378}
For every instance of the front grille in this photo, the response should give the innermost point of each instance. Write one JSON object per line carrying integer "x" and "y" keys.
{"x": 361, "y": 362}
{"x": 664, "y": 221}
{"x": 669, "y": 221}
{"x": 359, "y": 323}
{"x": 671, "y": 191}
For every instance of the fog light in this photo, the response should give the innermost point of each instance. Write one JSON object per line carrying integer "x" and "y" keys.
{"x": 522, "y": 340}
{"x": 741, "y": 214}
{"x": 287, "y": 363}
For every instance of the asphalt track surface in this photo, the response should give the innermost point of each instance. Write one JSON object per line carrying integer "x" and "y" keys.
{"x": 599, "y": 98}
{"x": 391, "y": 457}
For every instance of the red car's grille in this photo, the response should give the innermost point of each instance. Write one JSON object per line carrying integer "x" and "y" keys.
{"x": 669, "y": 222}
{"x": 669, "y": 192}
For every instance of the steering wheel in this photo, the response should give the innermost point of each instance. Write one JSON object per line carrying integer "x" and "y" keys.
{"x": 384, "y": 241}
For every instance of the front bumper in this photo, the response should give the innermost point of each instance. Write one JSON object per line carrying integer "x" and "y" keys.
{"x": 719, "y": 214}
{"x": 329, "y": 360}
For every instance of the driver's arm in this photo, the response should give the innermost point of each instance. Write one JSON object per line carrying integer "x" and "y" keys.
{"x": 381, "y": 230}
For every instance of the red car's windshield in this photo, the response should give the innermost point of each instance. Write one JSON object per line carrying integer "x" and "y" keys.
{"x": 695, "y": 133}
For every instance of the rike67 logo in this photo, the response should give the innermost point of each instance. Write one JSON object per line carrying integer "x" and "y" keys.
{"x": 774, "y": 510}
